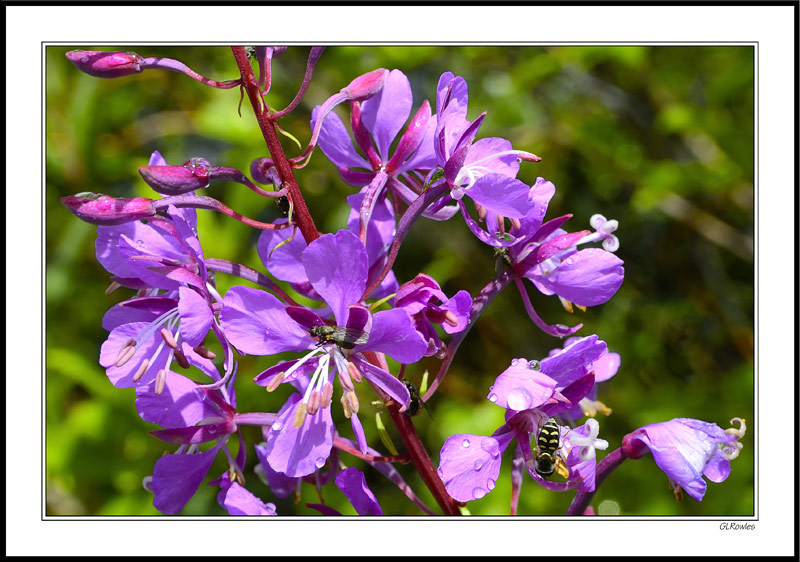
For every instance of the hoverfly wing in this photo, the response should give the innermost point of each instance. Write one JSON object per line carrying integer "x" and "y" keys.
{"x": 348, "y": 338}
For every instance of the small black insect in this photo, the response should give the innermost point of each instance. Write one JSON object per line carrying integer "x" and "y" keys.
{"x": 346, "y": 338}
{"x": 547, "y": 445}
{"x": 415, "y": 402}
{"x": 283, "y": 205}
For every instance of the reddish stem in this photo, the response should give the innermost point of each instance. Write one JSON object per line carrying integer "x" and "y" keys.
{"x": 302, "y": 217}
{"x": 339, "y": 443}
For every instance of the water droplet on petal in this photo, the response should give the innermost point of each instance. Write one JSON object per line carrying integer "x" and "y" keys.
{"x": 478, "y": 493}
{"x": 277, "y": 425}
{"x": 534, "y": 365}
{"x": 320, "y": 462}
{"x": 465, "y": 443}
{"x": 493, "y": 397}
{"x": 519, "y": 399}
{"x": 490, "y": 484}
{"x": 514, "y": 362}
{"x": 478, "y": 464}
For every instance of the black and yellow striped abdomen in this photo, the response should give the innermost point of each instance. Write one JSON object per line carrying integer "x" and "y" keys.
{"x": 547, "y": 444}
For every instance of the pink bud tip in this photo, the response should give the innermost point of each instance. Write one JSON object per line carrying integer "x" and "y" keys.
{"x": 104, "y": 210}
{"x": 366, "y": 85}
{"x": 104, "y": 64}
{"x": 632, "y": 447}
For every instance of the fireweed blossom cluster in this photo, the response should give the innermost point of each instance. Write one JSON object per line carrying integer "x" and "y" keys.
{"x": 348, "y": 328}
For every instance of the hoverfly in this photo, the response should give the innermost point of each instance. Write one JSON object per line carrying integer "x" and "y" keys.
{"x": 345, "y": 338}
{"x": 547, "y": 445}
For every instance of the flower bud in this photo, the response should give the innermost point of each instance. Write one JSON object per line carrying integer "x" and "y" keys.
{"x": 104, "y": 210}
{"x": 175, "y": 180}
{"x": 104, "y": 64}
{"x": 366, "y": 85}
{"x": 263, "y": 171}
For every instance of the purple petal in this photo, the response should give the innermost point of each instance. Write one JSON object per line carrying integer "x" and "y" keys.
{"x": 239, "y": 501}
{"x": 256, "y": 323}
{"x": 196, "y": 316}
{"x": 482, "y": 235}
{"x": 353, "y": 484}
{"x": 177, "y": 406}
{"x": 177, "y": 477}
{"x": 323, "y": 509}
{"x": 285, "y": 263}
{"x": 385, "y": 113}
{"x": 574, "y": 361}
{"x": 143, "y": 309}
{"x": 587, "y": 278}
{"x": 335, "y": 142}
{"x": 300, "y": 451}
{"x": 503, "y": 195}
{"x": 381, "y": 227}
{"x": 484, "y": 150}
{"x": 386, "y": 381}
{"x": 520, "y": 388}
{"x": 460, "y": 305}
{"x": 281, "y": 485}
{"x": 393, "y": 333}
{"x": 470, "y": 464}
{"x": 196, "y": 434}
{"x": 336, "y": 266}
{"x": 606, "y": 367}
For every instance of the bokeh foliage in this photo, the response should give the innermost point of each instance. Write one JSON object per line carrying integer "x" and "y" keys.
{"x": 659, "y": 137}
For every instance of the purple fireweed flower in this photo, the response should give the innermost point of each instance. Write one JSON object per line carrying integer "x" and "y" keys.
{"x": 427, "y": 304}
{"x": 192, "y": 415}
{"x": 237, "y": 500}
{"x": 376, "y": 123}
{"x": 485, "y": 170}
{"x": 531, "y": 392}
{"x": 604, "y": 369}
{"x": 281, "y": 251}
{"x": 148, "y": 333}
{"x": 352, "y": 483}
{"x": 686, "y": 450}
{"x": 336, "y": 267}
{"x": 549, "y": 257}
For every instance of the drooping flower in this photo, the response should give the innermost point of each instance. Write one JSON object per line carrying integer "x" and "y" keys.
{"x": 427, "y": 304}
{"x": 686, "y": 450}
{"x": 353, "y": 485}
{"x": 485, "y": 170}
{"x": 531, "y": 392}
{"x": 549, "y": 257}
{"x": 191, "y": 415}
{"x": 336, "y": 267}
{"x": 164, "y": 260}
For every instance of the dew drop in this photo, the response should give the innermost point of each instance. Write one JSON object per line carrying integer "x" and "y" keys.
{"x": 478, "y": 464}
{"x": 514, "y": 362}
{"x": 534, "y": 365}
{"x": 478, "y": 493}
{"x": 493, "y": 397}
{"x": 490, "y": 484}
{"x": 320, "y": 462}
{"x": 465, "y": 443}
{"x": 519, "y": 399}
{"x": 277, "y": 426}
{"x": 140, "y": 243}
{"x": 490, "y": 446}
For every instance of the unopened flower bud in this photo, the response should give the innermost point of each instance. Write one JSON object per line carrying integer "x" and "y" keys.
{"x": 175, "y": 180}
{"x": 366, "y": 85}
{"x": 104, "y": 210}
{"x": 104, "y": 64}
{"x": 264, "y": 171}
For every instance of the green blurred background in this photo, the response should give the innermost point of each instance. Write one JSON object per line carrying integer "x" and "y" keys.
{"x": 660, "y": 138}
